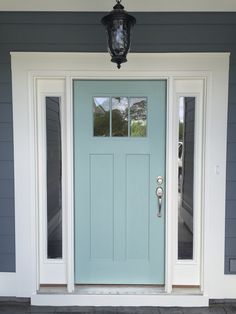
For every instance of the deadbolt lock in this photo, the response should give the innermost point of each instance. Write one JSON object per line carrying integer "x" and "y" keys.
{"x": 160, "y": 180}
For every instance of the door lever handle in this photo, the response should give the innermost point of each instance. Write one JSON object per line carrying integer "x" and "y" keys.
{"x": 159, "y": 194}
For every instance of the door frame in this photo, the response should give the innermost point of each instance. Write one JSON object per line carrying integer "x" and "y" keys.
{"x": 28, "y": 67}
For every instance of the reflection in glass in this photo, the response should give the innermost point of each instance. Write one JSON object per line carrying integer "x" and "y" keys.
{"x": 138, "y": 117}
{"x": 54, "y": 176}
{"x": 186, "y": 177}
{"x": 119, "y": 38}
{"x": 119, "y": 116}
{"x": 101, "y": 116}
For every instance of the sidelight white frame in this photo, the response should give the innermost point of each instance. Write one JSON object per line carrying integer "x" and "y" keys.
{"x": 188, "y": 272}
{"x": 213, "y": 68}
{"x": 51, "y": 271}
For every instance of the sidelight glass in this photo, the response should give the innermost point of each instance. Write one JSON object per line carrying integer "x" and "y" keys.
{"x": 54, "y": 178}
{"x": 186, "y": 177}
{"x": 101, "y": 116}
{"x": 138, "y": 117}
{"x": 119, "y": 116}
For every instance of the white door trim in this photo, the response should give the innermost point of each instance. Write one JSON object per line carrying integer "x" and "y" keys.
{"x": 213, "y": 67}
{"x": 7, "y": 284}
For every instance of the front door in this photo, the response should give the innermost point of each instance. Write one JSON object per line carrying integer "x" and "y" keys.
{"x": 119, "y": 151}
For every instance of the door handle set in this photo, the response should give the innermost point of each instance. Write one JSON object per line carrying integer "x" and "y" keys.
{"x": 159, "y": 195}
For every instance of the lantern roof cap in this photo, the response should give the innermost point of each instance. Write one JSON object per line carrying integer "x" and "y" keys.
{"x": 117, "y": 13}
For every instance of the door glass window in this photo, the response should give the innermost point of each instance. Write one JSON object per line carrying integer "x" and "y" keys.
{"x": 120, "y": 116}
{"x": 186, "y": 177}
{"x": 138, "y": 117}
{"x": 54, "y": 178}
{"x": 101, "y": 116}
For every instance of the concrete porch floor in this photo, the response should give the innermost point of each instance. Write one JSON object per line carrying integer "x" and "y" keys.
{"x": 13, "y": 307}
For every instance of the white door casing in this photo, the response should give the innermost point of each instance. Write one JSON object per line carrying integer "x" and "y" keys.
{"x": 212, "y": 68}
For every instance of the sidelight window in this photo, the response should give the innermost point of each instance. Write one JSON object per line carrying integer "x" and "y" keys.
{"x": 54, "y": 178}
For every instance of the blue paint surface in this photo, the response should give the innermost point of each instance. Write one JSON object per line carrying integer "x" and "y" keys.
{"x": 118, "y": 237}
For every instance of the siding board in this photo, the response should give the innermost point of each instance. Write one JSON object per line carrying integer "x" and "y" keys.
{"x": 232, "y": 133}
{"x": 232, "y": 92}
{"x": 93, "y": 18}
{"x": 231, "y": 170}
{"x": 6, "y": 151}
{"x": 144, "y": 34}
{"x": 6, "y": 207}
{"x": 230, "y": 247}
{"x": 51, "y": 34}
{"x": 230, "y": 192}
{"x": 6, "y": 131}
{"x": 6, "y": 188}
{"x": 231, "y": 210}
{"x": 5, "y": 113}
{"x": 231, "y": 153}
{"x": 5, "y": 72}
{"x": 5, "y": 226}
{"x": 5, "y": 94}
{"x": 6, "y": 170}
{"x": 230, "y": 230}
{"x": 232, "y": 113}
{"x": 82, "y": 32}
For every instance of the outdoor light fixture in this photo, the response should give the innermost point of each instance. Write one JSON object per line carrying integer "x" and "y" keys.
{"x": 118, "y": 24}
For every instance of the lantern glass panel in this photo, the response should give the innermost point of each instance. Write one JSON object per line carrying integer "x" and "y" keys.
{"x": 119, "y": 37}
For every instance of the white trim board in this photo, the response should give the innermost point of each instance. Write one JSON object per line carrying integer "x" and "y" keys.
{"x": 7, "y": 284}
{"x": 121, "y": 300}
{"x": 106, "y": 5}
{"x": 213, "y": 67}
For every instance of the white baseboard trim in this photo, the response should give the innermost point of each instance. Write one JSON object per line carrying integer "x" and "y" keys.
{"x": 7, "y": 284}
{"x": 165, "y": 300}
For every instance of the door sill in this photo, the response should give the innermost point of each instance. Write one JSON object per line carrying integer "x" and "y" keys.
{"x": 160, "y": 299}
{"x": 106, "y": 289}
{"x": 119, "y": 290}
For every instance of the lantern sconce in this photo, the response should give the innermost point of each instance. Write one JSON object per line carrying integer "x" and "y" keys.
{"x": 118, "y": 25}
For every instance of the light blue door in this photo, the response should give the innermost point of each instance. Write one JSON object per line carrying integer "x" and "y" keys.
{"x": 119, "y": 150}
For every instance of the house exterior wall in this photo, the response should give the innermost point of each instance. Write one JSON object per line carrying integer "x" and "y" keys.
{"x": 82, "y": 32}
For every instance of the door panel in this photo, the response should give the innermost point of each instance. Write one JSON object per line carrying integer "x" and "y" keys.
{"x": 119, "y": 152}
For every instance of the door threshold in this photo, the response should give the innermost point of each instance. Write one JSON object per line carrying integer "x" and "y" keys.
{"x": 118, "y": 290}
{"x": 105, "y": 289}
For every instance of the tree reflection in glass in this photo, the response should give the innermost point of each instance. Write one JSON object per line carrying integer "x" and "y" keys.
{"x": 138, "y": 117}
{"x": 101, "y": 116}
{"x": 119, "y": 116}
